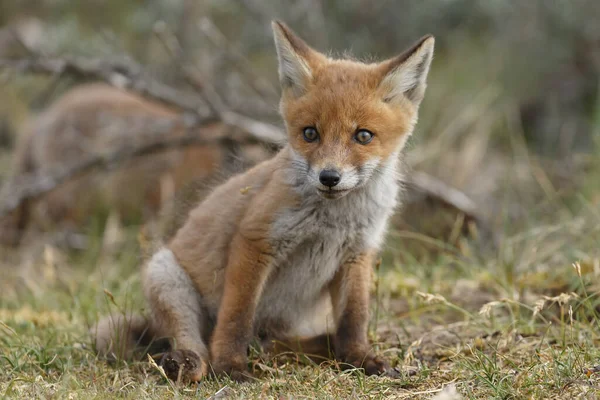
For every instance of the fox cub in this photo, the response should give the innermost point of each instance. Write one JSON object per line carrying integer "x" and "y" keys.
{"x": 284, "y": 251}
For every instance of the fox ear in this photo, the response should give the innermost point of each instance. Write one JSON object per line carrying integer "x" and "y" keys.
{"x": 406, "y": 75}
{"x": 294, "y": 59}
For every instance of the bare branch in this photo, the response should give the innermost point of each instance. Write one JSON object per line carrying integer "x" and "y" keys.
{"x": 124, "y": 75}
{"x": 262, "y": 131}
{"x": 130, "y": 75}
{"x": 260, "y": 85}
{"x": 32, "y": 186}
{"x": 421, "y": 182}
{"x": 193, "y": 78}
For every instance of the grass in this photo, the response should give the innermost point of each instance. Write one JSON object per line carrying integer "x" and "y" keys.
{"x": 524, "y": 323}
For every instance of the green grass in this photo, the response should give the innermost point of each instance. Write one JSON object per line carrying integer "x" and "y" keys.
{"x": 523, "y": 323}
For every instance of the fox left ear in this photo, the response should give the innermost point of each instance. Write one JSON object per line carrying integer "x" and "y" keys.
{"x": 405, "y": 76}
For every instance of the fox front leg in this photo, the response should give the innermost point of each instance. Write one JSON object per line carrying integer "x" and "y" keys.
{"x": 350, "y": 298}
{"x": 246, "y": 272}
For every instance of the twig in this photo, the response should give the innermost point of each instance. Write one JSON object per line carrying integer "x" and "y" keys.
{"x": 260, "y": 85}
{"x": 262, "y": 131}
{"x": 194, "y": 78}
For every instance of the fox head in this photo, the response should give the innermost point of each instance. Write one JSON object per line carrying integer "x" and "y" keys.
{"x": 347, "y": 120}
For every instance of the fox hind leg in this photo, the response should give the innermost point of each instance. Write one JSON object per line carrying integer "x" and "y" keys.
{"x": 177, "y": 311}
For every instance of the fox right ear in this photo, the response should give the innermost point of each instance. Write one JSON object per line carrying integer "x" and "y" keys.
{"x": 405, "y": 76}
{"x": 294, "y": 57}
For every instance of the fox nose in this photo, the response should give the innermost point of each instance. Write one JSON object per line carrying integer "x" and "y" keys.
{"x": 329, "y": 177}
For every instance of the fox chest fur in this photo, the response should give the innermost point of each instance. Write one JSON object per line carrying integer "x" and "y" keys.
{"x": 313, "y": 240}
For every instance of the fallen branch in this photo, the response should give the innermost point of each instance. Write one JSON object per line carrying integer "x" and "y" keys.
{"x": 422, "y": 187}
{"x": 32, "y": 186}
{"x": 121, "y": 74}
{"x": 430, "y": 186}
{"x": 129, "y": 75}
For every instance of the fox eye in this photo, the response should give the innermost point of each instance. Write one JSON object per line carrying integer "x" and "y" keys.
{"x": 310, "y": 134}
{"x": 363, "y": 136}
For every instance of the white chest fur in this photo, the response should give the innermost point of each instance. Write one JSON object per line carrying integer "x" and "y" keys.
{"x": 313, "y": 240}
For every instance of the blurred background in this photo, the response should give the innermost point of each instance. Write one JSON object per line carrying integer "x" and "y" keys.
{"x": 507, "y": 141}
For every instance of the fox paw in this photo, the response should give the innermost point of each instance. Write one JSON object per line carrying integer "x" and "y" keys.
{"x": 372, "y": 365}
{"x": 182, "y": 365}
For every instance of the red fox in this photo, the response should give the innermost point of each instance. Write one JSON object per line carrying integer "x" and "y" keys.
{"x": 97, "y": 118}
{"x": 284, "y": 252}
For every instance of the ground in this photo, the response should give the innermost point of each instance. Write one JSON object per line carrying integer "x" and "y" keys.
{"x": 521, "y": 322}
